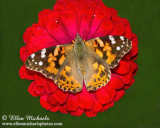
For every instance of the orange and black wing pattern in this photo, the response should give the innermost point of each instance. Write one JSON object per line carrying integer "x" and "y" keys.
{"x": 48, "y": 60}
{"x": 111, "y": 49}
{"x": 58, "y": 64}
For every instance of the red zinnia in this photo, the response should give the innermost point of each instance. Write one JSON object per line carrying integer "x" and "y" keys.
{"x": 91, "y": 19}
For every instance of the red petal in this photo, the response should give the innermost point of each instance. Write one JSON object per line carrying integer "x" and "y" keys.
{"x": 135, "y": 38}
{"x": 100, "y": 26}
{"x": 126, "y": 78}
{"x": 86, "y": 18}
{"x": 57, "y": 32}
{"x": 134, "y": 67}
{"x": 27, "y": 34}
{"x": 115, "y": 18}
{"x": 115, "y": 82}
{"x": 31, "y": 90}
{"x": 58, "y": 6}
{"x": 42, "y": 39}
{"x": 134, "y": 51}
{"x": 84, "y": 99}
{"x": 72, "y": 102}
{"x": 44, "y": 19}
{"x": 63, "y": 109}
{"x": 112, "y": 92}
{"x": 123, "y": 67}
{"x": 106, "y": 106}
{"x": 118, "y": 29}
{"x": 39, "y": 90}
{"x": 81, "y": 2}
{"x": 102, "y": 96}
{"x": 44, "y": 103}
{"x": 39, "y": 80}
{"x": 51, "y": 100}
{"x": 44, "y": 12}
{"x": 50, "y": 86}
{"x": 70, "y": 22}
{"x": 55, "y": 108}
{"x": 127, "y": 28}
{"x": 105, "y": 8}
{"x": 96, "y": 105}
{"x": 90, "y": 113}
{"x": 129, "y": 85}
{"x": 30, "y": 47}
{"x": 79, "y": 112}
{"x": 104, "y": 28}
{"x": 119, "y": 95}
{"x": 24, "y": 73}
{"x": 60, "y": 96}
{"x": 24, "y": 53}
{"x": 113, "y": 13}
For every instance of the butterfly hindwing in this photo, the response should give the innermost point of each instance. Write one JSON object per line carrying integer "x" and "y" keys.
{"x": 70, "y": 77}
{"x": 97, "y": 73}
{"x": 111, "y": 49}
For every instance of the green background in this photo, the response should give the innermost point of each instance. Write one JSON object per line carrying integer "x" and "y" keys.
{"x": 140, "y": 106}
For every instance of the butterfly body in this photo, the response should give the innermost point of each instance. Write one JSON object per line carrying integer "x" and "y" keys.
{"x": 79, "y": 52}
{"x": 89, "y": 61}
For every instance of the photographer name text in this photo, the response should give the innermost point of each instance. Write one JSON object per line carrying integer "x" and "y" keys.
{"x": 28, "y": 117}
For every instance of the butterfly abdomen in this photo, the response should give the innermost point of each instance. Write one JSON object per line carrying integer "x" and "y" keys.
{"x": 81, "y": 64}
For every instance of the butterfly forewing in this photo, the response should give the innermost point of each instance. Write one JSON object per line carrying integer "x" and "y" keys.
{"x": 110, "y": 49}
{"x": 48, "y": 60}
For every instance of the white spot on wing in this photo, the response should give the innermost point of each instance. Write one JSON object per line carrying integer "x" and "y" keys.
{"x": 43, "y": 53}
{"x": 33, "y": 55}
{"x": 40, "y": 63}
{"x": 111, "y": 38}
{"x": 122, "y": 46}
{"x": 113, "y": 42}
{"x": 35, "y": 62}
{"x": 118, "y": 48}
{"x": 121, "y": 37}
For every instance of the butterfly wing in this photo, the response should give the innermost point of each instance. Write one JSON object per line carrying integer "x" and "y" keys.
{"x": 110, "y": 49}
{"x": 70, "y": 77}
{"x": 103, "y": 53}
{"x": 97, "y": 73}
{"x": 54, "y": 63}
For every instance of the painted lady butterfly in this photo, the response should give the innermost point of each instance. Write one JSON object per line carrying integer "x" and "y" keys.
{"x": 90, "y": 61}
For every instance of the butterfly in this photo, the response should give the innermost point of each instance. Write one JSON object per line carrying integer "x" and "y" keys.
{"x": 91, "y": 61}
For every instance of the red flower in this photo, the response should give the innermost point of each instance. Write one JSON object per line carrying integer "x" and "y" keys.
{"x": 89, "y": 18}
